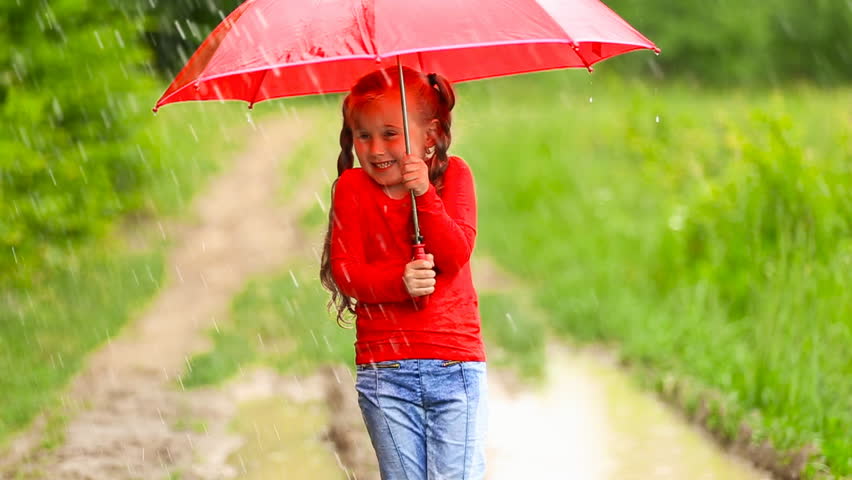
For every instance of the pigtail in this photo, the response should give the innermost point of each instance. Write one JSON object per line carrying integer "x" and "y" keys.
{"x": 345, "y": 160}
{"x": 446, "y": 101}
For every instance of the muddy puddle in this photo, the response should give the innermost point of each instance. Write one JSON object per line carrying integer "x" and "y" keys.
{"x": 284, "y": 440}
{"x": 590, "y": 422}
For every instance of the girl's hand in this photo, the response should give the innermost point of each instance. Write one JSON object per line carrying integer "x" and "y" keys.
{"x": 419, "y": 276}
{"x": 415, "y": 174}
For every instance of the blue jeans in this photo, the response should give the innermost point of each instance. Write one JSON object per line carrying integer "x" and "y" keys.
{"x": 426, "y": 418}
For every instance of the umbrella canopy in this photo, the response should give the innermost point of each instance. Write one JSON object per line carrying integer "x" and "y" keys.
{"x": 279, "y": 48}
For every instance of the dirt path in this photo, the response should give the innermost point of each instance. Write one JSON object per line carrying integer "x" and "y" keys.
{"x": 125, "y": 407}
{"x": 130, "y": 420}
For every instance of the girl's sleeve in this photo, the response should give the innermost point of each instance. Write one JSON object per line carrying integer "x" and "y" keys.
{"x": 366, "y": 282}
{"x": 448, "y": 221}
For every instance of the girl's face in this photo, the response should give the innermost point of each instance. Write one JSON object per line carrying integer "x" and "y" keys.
{"x": 380, "y": 141}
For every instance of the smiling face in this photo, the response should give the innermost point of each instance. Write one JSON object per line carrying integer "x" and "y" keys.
{"x": 379, "y": 140}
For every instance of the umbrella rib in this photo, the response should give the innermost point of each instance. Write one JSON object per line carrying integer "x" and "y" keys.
{"x": 582, "y": 59}
{"x": 256, "y": 90}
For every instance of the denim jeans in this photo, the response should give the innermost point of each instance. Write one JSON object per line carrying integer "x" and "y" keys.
{"x": 426, "y": 418}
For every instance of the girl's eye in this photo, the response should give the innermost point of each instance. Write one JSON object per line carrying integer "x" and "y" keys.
{"x": 364, "y": 136}
{"x": 390, "y": 133}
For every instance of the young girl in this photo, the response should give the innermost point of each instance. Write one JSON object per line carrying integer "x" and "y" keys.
{"x": 421, "y": 376}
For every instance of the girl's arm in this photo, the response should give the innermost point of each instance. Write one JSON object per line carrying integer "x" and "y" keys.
{"x": 366, "y": 282}
{"x": 448, "y": 222}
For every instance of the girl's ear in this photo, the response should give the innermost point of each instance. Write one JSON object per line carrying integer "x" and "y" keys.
{"x": 432, "y": 130}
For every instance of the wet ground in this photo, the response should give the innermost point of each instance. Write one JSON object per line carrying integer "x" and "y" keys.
{"x": 590, "y": 422}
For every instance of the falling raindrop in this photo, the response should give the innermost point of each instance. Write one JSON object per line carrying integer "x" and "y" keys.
{"x": 98, "y": 38}
{"x": 293, "y": 277}
{"x": 57, "y": 109}
{"x": 320, "y": 202}
{"x": 118, "y": 38}
{"x": 676, "y": 221}
{"x": 591, "y": 99}
{"x": 194, "y": 135}
{"x": 658, "y": 119}
{"x": 511, "y": 322}
{"x": 180, "y": 30}
{"x": 193, "y": 29}
{"x": 83, "y": 174}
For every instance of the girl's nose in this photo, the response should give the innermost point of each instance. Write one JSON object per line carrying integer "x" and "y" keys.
{"x": 376, "y": 147}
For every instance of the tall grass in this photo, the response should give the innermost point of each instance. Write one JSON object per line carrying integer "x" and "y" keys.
{"x": 705, "y": 233}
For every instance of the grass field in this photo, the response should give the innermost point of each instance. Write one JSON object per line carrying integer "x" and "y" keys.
{"x": 707, "y": 234}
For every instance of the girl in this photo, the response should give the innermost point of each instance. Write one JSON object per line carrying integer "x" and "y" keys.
{"x": 421, "y": 376}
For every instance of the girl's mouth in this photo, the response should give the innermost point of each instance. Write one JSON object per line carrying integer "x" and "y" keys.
{"x": 384, "y": 165}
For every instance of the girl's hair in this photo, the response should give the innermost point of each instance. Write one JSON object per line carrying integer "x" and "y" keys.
{"x": 434, "y": 98}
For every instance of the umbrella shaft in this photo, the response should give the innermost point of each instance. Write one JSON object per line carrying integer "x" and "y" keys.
{"x": 417, "y": 237}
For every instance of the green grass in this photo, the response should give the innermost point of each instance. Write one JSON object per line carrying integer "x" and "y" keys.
{"x": 515, "y": 333}
{"x": 705, "y": 233}
{"x": 94, "y": 288}
{"x": 279, "y": 321}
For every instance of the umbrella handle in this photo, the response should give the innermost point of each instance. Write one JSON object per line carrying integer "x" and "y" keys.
{"x": 420, "y": 254}
{"x": 420, "y": 251}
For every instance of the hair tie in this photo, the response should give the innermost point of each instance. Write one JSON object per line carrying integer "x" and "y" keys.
{"x": 433, "y": 79}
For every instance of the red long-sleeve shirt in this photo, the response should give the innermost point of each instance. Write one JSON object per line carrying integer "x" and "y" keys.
{"x": 371, "y": 241}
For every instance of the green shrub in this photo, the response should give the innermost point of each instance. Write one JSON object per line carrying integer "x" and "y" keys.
{"x": 69, "y": 111}
{"x": 729, "y": 42}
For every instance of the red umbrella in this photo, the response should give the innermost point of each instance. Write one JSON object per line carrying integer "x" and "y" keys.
{"x": 279, "y": 48}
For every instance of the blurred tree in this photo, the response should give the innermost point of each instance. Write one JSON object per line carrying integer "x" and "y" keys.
{"x": 69, "y": 74}
{"x": 814, "y": 40}
{"x": 176, "y": 28}
{"x": 726, "y": 42}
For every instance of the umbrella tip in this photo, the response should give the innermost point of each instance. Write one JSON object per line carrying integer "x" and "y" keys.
{"x": 251, "y": 106}
{"x": 155, "y": 110}
{"x": 657, "y": 50}
{"x": 591, "y": 69}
